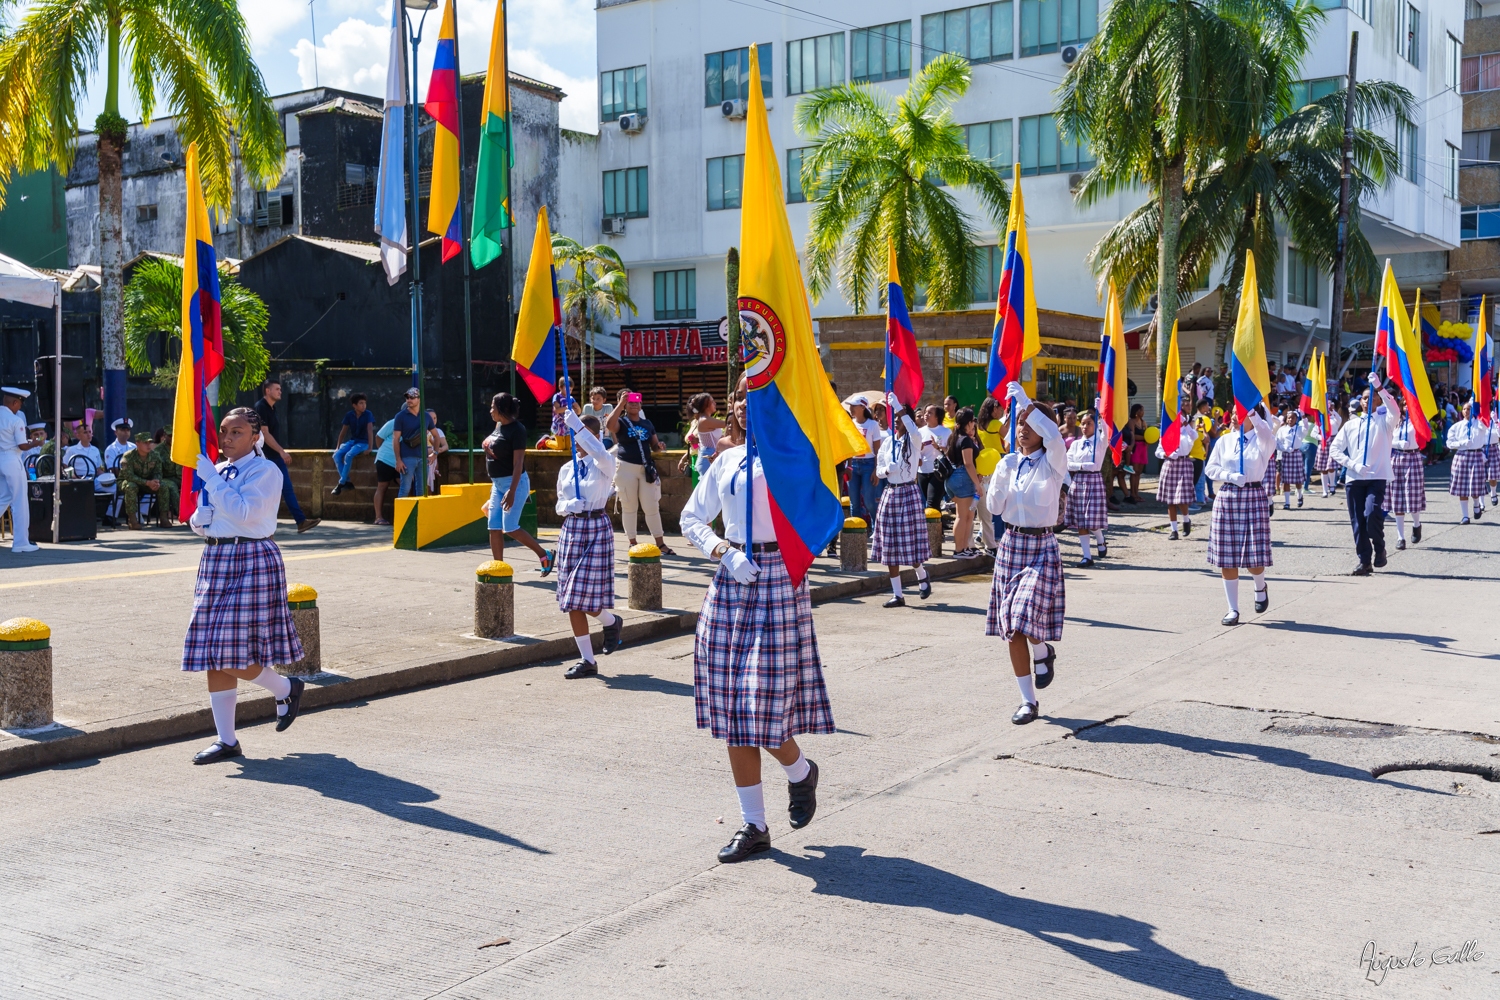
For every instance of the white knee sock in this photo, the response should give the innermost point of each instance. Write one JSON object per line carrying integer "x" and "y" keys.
{"x": 1260, "y": 581}
{"x": 798, "y": 770}
{"x": 1232, "y": 594}
{"x": 896, "y": 584}
{"x": 1416, "y": 520}
{"x": 273, "y": 682}
{"x": 1028, "y": 689}
{"x": 1099, "y": 537}
{"x": 585, "y": 647}
{"x": 1401, "y": 526}
{"x": 1463, "y": 506}
{"x": 222, "y": 704}
{"x": 921, "y": 572}
{"x": 752, "y": 803}
{"x": 1038, "y": 654}
{"x": 1083, "y": 542}
{"x": 1174, "y": 525}
{"x": 606, "y": 618}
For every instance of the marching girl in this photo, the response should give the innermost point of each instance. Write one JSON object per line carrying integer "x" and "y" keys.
{"x": 1466, "y": 439}
{"x": 1240, "y": 532}
{"x": 586, "y": 543}
{"x": 1290, "y": 464}
{"x": 899, "y": 536}
{"x": 1175, "y": 486}
{"x": 1323, "y": 462}
{"x": 1086, "y": 511}
{"x": 1026, "y": 595}
{"x": 240, "y": 624}
{"x": 757, "y": 676}
{"x": 1406, "y": 493}
{"x": 1492, "y": 459}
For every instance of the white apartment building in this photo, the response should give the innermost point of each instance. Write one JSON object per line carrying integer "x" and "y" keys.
{"x": 673, "y": 173}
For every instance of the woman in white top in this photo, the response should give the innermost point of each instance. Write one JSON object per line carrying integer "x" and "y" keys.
{"x": 1466, "y": 439}
{"x": 864, "y": 487}
{"x": 586, "y": 543}
{"x": 1175, "y": 485}
{"x": 1290, "y": 465}
{"x": 1027, "y": 598}
{"x": 934, "y": 441}
{"x": 1087, "y": 511}
{"x": 704, "y": 433}
{"x": 757, "y": 676}
{"x": 241, "y": 625}
{"x": 899, "y": 535}
{"x": 1240, "y": 532}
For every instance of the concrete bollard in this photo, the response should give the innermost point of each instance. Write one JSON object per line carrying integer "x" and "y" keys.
{"x": 303, "y": 602}
{"x": 935, "y": 531}
{"x": 494, "y": 601}
{"x": 25, "y": 674}
{"x": 645, "y": 577}
{"x": 854, "y": 546}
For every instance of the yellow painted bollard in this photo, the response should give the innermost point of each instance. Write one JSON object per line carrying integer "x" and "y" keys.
{"x": 645, "y": 577}
{"x": 935, "y": 531}
{"x": 494, "y": 601}
{"x": 25, "y": 674}
{"x": 302, "y": 601}
{"x": 854, "y": 546}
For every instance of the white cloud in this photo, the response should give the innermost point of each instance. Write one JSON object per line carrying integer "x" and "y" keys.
{"x": 352, "y": 57}
{"x": 578, "y": 109}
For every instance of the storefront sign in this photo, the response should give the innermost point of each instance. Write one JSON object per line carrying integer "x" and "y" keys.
{"x": 674, "y": 344}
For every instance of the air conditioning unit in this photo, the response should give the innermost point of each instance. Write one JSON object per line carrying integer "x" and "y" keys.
{"x": 733, "y": 109}
{"x": 1075, "y": 181}
{"x": 632, "y": 123}
{"x": 1070, "y": 54}
{"x": 612, "y": 225}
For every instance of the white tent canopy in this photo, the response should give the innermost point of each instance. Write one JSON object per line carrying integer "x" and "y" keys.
{"x": 19, "y": 283}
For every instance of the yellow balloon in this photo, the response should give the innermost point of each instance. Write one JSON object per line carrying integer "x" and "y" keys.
{"x": 986, "y": 460}
{"x": 1153, "y": 435}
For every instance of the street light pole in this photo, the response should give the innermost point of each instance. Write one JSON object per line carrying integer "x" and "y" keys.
{"x": 1340, "y": 264}
{"x": 415, "y": 280}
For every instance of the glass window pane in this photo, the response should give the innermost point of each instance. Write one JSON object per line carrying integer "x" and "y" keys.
{"x": 932, "y": 37}
{"x": 794, "y": 67}
{"x": 1471, "y": 74}
{"x": 713, "y": 79}
{"x": 836, "y": 61}
{"x": 732, "y": 167}
{"x": 1029, "y": 157}
{"x": 716, "y": 183}
{"x": 979, "y": 32}
{"x": 1046, "y": 144}
{"x": 979, "y": 141}
{"x": 1002, "y": 30}
{"x": 956, "y": 33}
{"x": 860, "y": 66}
{"x": 1088, "y": 19}
{"x": 1030, "y": 27}
{"x": 765, "y": 68}
{"x": 905, "y": 49}
{"x": 1047, "y": 17}
{"x": 1069, "y": 20}
{"x": 1001, "y": 154}
{"x": 794, "y": 176}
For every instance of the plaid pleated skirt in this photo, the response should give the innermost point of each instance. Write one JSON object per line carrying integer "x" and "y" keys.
{"x": 1239, "y": 535}
{"x": 1087, "y": 509}
{"x": 1175, "y": 484}
{"x": 899, "y": 537}
{"x": 1273, "y": 467}
{"x": 240, "y": 617}
{"x": 1492, "y": 462}
{"x": 1324, "y": 462}
{"x": 586, "y": 564}
{"x": 1466, "y": 476}
{"x": 1406, "y": 493}
{"x": 1293, "y": 468}
{"x": 757, "y": 677}
{"x": 1027, "y": 593}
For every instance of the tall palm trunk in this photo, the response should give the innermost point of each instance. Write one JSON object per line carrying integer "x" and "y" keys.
{"x": 111, "y": 129}
{"x": 1166, "y": 263}
{"x": 1229, "y": 298}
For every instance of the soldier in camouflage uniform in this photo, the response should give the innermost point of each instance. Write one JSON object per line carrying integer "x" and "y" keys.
{"x": 141, "y": 471}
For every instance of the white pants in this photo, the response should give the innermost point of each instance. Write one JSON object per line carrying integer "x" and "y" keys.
{"x": 13, "y": 495}
{"x": 630, "y": 483}
{"x": 982, "y": 515}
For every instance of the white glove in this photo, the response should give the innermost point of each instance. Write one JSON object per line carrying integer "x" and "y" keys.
{"x": 1374, "y": 381}
{"x": 892, "y": 402}
{"x": 1017, "y": 396}
{"x": 205, "y": 468}
{"x": 740, "y": 566}
{"x": 574, "y": 421}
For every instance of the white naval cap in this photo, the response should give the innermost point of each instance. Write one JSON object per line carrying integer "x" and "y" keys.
{"x": 10, "y": 390}
{"x": 122, "y": 421}
{"x": 38, "y": 426}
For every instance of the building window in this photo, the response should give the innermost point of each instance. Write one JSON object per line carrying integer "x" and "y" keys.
{"x": 1480, "y": 147}
{"x": 1305, "y": 92}
{"x": 1406, "y": 149}
{"x": 794, "y": 192}
{"x": 979, "y": 34}
{"x": 626, "y": 193}
{"x": 145, "y": 213}
{"x": 1455, "y": 62}
{"x": 274, "y": 208}
{"x": 357, "y": 188}
{"x": 881, "y": 53}
{"x": 814, "y": 63}
{"x": 990, "y": 141}
{"x": 1450, "y": 172}
{"x": 1481, "y": 72}
{"x": 622, "y": 92}
{"x": 1361, "y": 8}
{"x": 1045, "y": 151}
{"x": 724, "y": 182}
{"x": 726, "y": 75}
{"x": 1480, "y": 222}
{"x": 1301, "y": 279}
{"x": 1409, "y": 33}
{"x": 1047, "y": 25}
{"x": 987, "y": 278}
{"x": 676, "y": 294}
{"x": 1472, "y": 10}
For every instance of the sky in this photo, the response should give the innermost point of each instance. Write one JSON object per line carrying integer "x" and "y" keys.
{"x": 550, "y": 40}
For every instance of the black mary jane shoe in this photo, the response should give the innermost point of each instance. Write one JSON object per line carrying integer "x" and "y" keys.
{"x": 1172, "y": 537}
{"x": 583, "y": 668}
{"x": 1416, "y": 533}
{"x": 1380, "y": 560}
{"x": 1028, "y": 712}
{"x": 895, "y": 602}
{"x": 613, "y": 639}
{"x": 1400, "y": 545}
{"x": 1050, "y": 662}
{"x": 748, "y": 841}
{"x": 1262, "y": 600}
{"x": 293, "y": 703}
{"x": 1086, "y": 563}
{"x": 1103, "y": 551}
{"x": 1231, "y": 618}
{"x": 803, "y": 798}
{"x": 217, "y": 752}
{"x": 924, "y": 588}
{"x": 1187, "y": 528}
{"x": 1363, "y": 569}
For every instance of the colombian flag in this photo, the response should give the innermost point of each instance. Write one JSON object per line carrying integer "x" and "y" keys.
{"x": 800, "y": 430}
{"x": 1171, "y": 389}
{"x": 1114, "y": 386}
{"x": 1320, "y": 395}
{"x": 903, "y": 365}
{"x": 537, "y": 329}
{"x": 1305, "y": 404}
{"x": 444, "y": 211}
{"x": 194, "y": 432}
{"x": 1395, "y": 338}
{"x": 492, "y": 177}
{"x": 1484, "y": 389}
{"x": 1016, "y": 337}
{"x": 1247, "y": 362}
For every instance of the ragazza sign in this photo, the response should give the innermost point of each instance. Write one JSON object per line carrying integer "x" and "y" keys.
{"x": 674, "y": 344}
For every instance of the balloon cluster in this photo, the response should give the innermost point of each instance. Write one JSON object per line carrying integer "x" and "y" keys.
{"x": 1451, "y": 342}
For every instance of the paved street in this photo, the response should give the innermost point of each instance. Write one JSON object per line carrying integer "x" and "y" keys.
{"x": 1194, "y": 818}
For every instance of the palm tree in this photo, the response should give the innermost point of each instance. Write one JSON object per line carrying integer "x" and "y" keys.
{"x": 879, "y": 167}
{"x": 153, "y": 305}
{"x": 1162, "y": 89}
{"x": 1284, "y": 179}
{"x": 196, "y": 54}
{"x": 597, "y": 289}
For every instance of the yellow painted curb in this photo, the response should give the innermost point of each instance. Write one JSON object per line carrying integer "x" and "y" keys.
{"x": 24, "y": 630}
{"x": 933, "y": 514}
{"x": 855, "y": 524}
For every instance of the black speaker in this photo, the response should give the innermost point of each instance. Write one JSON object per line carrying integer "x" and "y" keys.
{"x": 78, "y": 514}
{"x": 72, "y": 387}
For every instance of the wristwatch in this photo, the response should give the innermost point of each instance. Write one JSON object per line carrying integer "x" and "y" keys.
{"x": 720, "y": 549}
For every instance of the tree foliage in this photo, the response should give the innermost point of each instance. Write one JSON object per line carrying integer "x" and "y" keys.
{"x": 153, "y": 305}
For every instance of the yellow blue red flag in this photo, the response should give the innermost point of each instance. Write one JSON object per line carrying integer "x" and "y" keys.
{"x": 534, "y": 349}
{"x": 1114, "y": 383}
{"x": 1484, "y": 365}
{"x": 194, "y": 431}
{"x": 796, "y": 423}
{"x": 903, "y": 362}
{"x": 1016, "y": 337}
{"x": 1171, "y": 398}
{"x": 1248, "y": 374}
{"x": 1402, "y": 348}
{"x": 444, "y": 205}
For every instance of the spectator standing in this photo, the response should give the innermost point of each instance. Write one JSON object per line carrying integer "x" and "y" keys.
{"x": 864, "y": 488}
{"x": 636, "y": 477}
{"x": 356, "y": 436}
{"x": 270, "y": 431}
{"x": 961, "y": 486}
{"x": 704, "y": 433}
{"x": 385, "y": 467}
{"x": 950, "y": 412}
{"x": 1205, "y": 387}
{"x": 505, "y": 462}
{"x": 934, "y": 442}
{"x": 598, "y": 408}
{"x": 411, "y": 441}
{"x": 991, "y": 436}
{"x": 437, "y": 445}
{"x": 1203, "y": 445}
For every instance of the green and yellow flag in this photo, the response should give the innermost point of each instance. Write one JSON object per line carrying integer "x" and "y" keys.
{"x": 492, "y": 178}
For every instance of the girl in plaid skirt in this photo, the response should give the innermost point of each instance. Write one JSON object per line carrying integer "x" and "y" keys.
{"x": 1406, "y": 493}
{"x": 1087, "y": 511}
{"x": 1323, "y": 463}
{"x": 1289, "y": 462}
{"x": 1492, "y": 458}
{"x": 586, "y": 543}
{"x": 1466, "y": 439}
{"x": 1174, "y": 487}
{"x": 241, "y": 625}
{"x": 1026, "y": 595}
{"x": 1240, "y": 532}
{"x": 899, "y": 537}
{"x": 757, "y": 676}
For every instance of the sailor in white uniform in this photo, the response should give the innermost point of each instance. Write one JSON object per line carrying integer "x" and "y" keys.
{"x": 12, "y": 472}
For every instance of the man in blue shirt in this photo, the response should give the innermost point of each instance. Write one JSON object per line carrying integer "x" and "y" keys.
{"x": 411, "y": 440}
{"x": 356, "y": 437}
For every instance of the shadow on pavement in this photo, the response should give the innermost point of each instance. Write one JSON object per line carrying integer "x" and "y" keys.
{"x": 335, "y": 777}
{"x": 1093, "y": 623}
{"x": 1440, "y": 641}
{"x": 1121, "y": 946}
{"x": 645, "y": 682}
